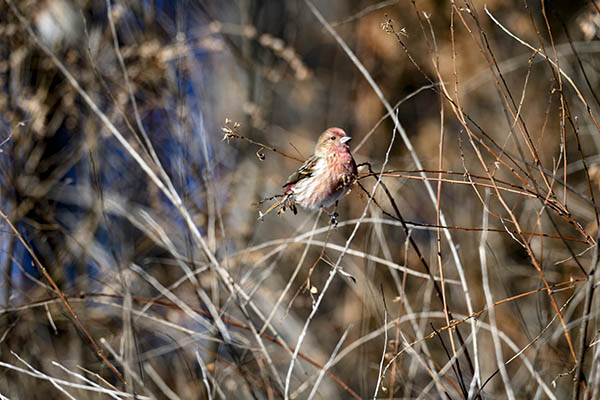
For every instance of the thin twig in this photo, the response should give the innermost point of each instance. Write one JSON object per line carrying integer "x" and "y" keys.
{"x": 587, "y": 307}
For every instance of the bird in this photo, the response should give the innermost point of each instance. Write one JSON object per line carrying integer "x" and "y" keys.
{"x": 324, "y": 178}
{"x": 327, "y": 175}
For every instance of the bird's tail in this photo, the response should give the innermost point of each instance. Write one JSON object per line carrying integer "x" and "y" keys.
{"x": 286, "y": 202}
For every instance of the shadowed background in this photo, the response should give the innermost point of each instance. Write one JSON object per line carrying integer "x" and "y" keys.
{"x": 130, "y": 225}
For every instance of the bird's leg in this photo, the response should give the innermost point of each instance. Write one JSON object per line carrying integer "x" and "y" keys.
{"x": 332, "y": 215}
{"x": 334, "y": 220}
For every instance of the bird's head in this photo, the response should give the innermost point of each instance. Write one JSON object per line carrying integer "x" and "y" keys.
{"x": 332, "y": 141}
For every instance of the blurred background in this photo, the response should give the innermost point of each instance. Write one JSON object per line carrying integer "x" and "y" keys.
{"x": 135, "y": 152}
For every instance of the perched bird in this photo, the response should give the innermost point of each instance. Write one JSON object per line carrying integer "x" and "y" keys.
{"x": 326, "y": 176}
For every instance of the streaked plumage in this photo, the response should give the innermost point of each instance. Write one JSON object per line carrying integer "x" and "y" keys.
{"x": 325, "y": 177}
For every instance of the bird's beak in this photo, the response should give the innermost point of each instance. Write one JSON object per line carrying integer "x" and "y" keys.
{"x": 346, "y": 139}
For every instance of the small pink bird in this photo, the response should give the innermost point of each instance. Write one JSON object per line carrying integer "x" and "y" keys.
{"x": 325, "y": 177}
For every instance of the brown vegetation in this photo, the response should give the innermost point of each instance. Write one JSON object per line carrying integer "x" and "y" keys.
{"x": 464, "y": 261}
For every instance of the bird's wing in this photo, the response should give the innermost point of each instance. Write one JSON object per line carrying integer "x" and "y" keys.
{"x": 304, "y": 171}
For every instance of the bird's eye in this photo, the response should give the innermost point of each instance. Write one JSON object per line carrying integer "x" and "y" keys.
{"x": 332, "y": 138}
